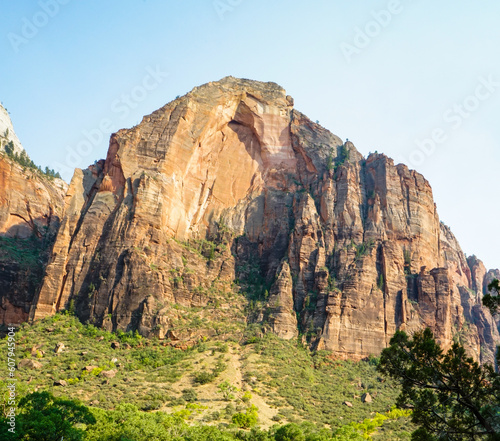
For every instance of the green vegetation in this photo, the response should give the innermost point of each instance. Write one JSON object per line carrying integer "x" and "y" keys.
{"x": 364, "y": 248}
{"x": 227, "y": 390}
{"x": 207, "y": 249}
{"x": 492, "y": 301}
{"x": 148, "y": 389}
{"x": 207, "y": 377}
{"x": 44, "y": 417}
{"x": 29, "y": 255}
{"x": 407, "y": 260}
{"x": 247, "y": 419}
{"x": 452, "y": 396}
{"x": 314, "y": 385}
{"x": 143, "y": 369}
{"x": 342, "y": 157}
{"x": 24, "y": 160}
{"x": 380, "y": 282}
{"x": 25, "y": 252}
{"x": 370, "y": 426}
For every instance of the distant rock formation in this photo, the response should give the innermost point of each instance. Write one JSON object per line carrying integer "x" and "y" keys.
{"x": 7, "y": 133}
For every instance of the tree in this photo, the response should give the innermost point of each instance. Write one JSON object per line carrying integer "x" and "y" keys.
{"x": 247, "y": 419}
{"x": 347, "y": 433}
{"x": 289, "y": 432}
{"x": 9, "y": 149}
{"x": 452, "y": 396}
{"x": 43, "y": 417}
{"x": 492, "y": 301}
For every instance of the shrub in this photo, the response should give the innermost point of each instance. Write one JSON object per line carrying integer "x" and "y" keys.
{"x": 227, "y": 390}
{"x": 189, "y": 395}
{"x": 244, "y": 421}
{"x": 380, "y": 282}
{"x": 203, "y": 377}
{"x": 224, "y": 348}
{"x": 289, "y": 432}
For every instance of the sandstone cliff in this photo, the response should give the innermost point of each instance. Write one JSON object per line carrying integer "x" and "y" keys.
{"x": 31, "y": 206}
{"x": 229, "y": 196}
{"x": 30, "y": 209}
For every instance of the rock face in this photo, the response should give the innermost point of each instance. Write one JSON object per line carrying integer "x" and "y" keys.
{"x": 7, "y": 133}
{"x": 29, "y": 202}
{"x": 230, "y": 193}
{"x": 30, "y": 209}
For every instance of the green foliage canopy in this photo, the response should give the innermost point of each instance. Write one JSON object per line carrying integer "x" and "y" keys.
{"x": 492, "y": 301}
{"x": 452, "y": 396}
{"x": 43, "y": 417}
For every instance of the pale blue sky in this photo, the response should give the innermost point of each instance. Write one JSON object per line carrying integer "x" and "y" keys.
{"x": 418, "y": 73}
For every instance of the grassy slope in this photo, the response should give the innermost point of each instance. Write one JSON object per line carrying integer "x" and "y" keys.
{"x": 284, "y": 380}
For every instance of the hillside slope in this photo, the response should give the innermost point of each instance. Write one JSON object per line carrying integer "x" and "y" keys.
{"x": 282, "y": 379}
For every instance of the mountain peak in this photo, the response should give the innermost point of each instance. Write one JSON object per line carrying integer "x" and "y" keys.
{"x": 229, "y": 196}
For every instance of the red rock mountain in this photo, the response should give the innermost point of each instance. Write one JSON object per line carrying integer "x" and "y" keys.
{"x": 229, "y": 198}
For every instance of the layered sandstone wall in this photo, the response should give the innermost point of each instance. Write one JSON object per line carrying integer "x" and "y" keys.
{"x": 30, "y": 210}
{"x": 350, "y": 249}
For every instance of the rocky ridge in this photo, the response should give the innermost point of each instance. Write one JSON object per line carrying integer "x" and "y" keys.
{"x": 229, "y": 192}
{"x": 7, "y": 133}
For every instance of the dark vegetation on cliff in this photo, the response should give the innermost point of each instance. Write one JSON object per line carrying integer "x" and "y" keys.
{"x": 24, "y": 160}
{"x": 22, "y": 267}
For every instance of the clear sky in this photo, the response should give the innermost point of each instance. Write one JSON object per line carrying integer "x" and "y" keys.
{"x": 417, "y": 80}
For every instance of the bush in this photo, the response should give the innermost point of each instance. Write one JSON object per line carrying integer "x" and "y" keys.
{"x": 189, "y": 395}
{"x": 227, "y": 390}
{"x": 244, "y": 421}
{"x": 289, "y": 432}
{"x": 224, "y": 348}
{"x": 204, "y": 377}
